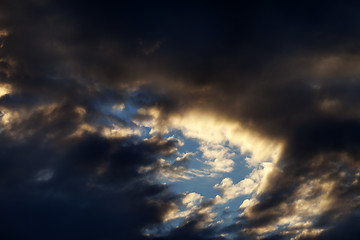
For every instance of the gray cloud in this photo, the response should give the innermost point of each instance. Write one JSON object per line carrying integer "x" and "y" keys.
{"x": 287, "y": 72}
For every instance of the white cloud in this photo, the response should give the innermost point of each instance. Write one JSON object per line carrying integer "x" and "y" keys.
{"x": 120, "y": 132}
{"x": 218, "y": 157}
{"x": 244, "y": 187}
{"x": 192, "y": 199}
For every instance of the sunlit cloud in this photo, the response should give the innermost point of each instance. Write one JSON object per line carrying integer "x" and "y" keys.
{"x": 247, "y": 186}
{"x": 213, "y": 132}
{"x": 5, "y": 89}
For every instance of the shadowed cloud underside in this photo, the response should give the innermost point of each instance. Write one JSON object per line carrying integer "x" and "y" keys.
{"x": 168, "y": 121}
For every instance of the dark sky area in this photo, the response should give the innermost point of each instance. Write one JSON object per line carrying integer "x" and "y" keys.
{"x": 101, "y": 103}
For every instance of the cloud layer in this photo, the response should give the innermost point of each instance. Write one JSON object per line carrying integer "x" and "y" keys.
{"x": 89, "y": 93}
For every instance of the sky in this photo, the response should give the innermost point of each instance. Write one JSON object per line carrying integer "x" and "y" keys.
{"x": 173, "y": 120}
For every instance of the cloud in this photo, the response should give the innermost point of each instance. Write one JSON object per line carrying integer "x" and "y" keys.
{"x": 213, "y": 132}
{"x": 84, "y": 180}
{"x": 247, "y": 186}
{"x": 279, "y": 87}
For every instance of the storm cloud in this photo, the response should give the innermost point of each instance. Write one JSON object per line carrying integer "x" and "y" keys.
{"x": 101, "y": 103}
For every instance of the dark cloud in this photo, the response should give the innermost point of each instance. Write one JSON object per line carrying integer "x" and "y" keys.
{"x": 346, "y": 229}
{"x": 58, "y": 185}
{"x": 87, "y": 187}
{"x": 287, "y": 71}
{"x": 190, "y": 231}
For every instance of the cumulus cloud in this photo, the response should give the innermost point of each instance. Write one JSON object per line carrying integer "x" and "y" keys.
{"x": 246, "y": 186}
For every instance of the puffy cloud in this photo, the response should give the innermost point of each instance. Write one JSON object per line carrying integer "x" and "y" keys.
{"x": 218, "y": 157}
{"x": 191, "y": 201}
{"x": 191, "y": 198}
{"x": 249, "y": 185}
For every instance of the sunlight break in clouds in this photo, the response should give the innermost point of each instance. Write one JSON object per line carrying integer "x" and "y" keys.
{"x": 173, "y": 121}
{"x": 213, "y": 133}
